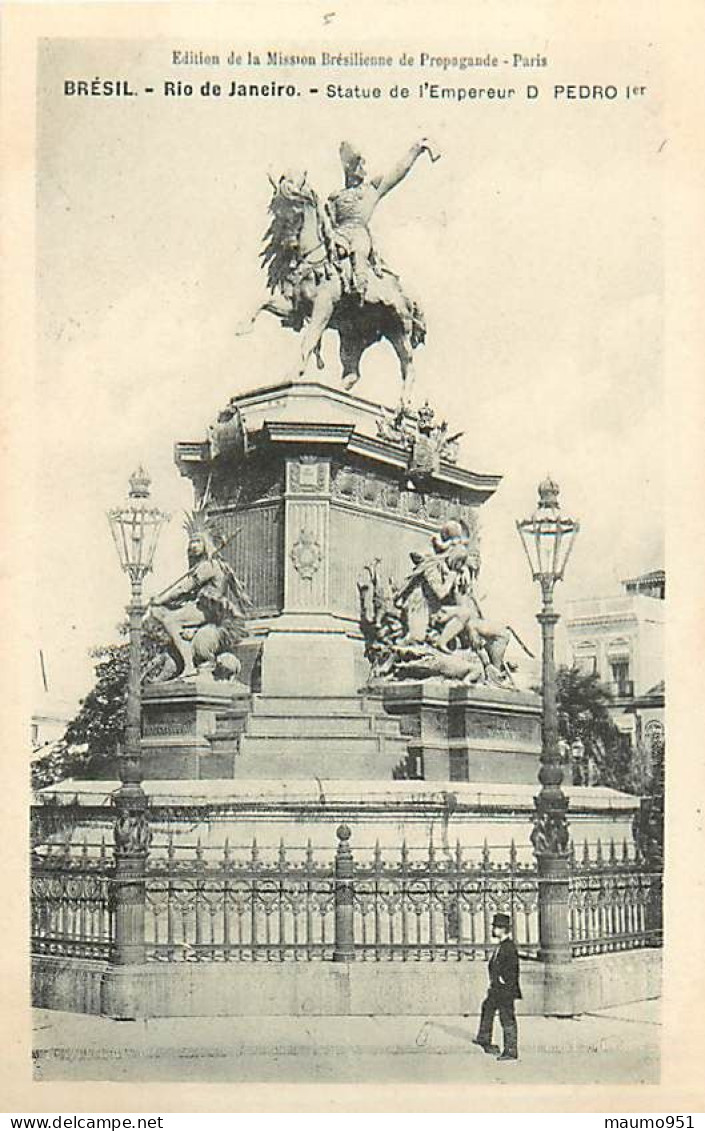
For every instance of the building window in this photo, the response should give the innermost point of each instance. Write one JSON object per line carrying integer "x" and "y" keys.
{"x": 586, "y": 665}
{"x": 620, "y": 677}
{"x": 620, "y": 670}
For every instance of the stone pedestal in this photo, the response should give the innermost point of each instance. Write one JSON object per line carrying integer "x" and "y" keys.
{"x": 308, "y": 486}
{"x": 458, "y": 733}
{"x": 296, "y": 810}
{"x": 310, "y": 655}
{"x": 180, "y": 721}
{"x": 302, "y": 472}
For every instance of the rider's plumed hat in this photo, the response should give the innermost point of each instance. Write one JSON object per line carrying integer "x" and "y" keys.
{"x": 350, "y": 156}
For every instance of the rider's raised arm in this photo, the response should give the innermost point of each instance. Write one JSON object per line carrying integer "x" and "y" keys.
{"x": 384, "y": 182}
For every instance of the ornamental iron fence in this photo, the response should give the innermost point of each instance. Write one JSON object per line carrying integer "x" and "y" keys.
{"x": 204, "y": 904}
{"x": 613, "y": 904}
{"x": 440, "y": 908}
{"x": 437, "y": 908}
{"x": 200, "y": 908}
{"x": 71, "y": 905}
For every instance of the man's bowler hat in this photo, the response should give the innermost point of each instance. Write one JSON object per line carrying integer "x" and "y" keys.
{"x": 502, "y": 921}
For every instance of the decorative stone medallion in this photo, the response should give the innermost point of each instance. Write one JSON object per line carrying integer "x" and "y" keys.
{"x": 306, "y": 555}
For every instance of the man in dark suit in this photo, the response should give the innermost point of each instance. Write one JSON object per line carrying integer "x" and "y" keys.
{"x": 503, "y": 992}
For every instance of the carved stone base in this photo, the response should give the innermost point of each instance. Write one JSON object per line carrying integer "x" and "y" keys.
{"x": 461, "y": 733}
{"x": 180, "y": 721}
{"x": 308, "y": 488}
{"x": 310, "y": 989}
{"x": 310, "y": 654}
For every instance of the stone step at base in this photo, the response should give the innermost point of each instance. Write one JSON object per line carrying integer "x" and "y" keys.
{"x": 288, "y": 706}
{"x": 313, "y": 726}
{"x": 284, "y": 746}
{"x": 342, "y": 756}
{"x": 319, "y": 726}
{"x": 353, "y": 762}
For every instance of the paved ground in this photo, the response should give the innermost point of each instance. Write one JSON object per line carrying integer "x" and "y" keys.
{"x": 619, "y": 1045}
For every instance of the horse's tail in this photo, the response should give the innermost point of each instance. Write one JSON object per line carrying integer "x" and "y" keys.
{"x": 520, "y": 642}
{"x": 247, "y": 325}
{"x": 277, "y": 305}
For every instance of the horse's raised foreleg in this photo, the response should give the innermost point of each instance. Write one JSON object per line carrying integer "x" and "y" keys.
{"x": 281, "y": 308}
{"x": 313, "y": 332}
{"x": 277, "y": 305}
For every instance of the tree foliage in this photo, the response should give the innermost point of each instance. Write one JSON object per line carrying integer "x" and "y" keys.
{"x": 584, "y": 713}
{"x": 649, "y": 821}
{"x": 89, "y": 747}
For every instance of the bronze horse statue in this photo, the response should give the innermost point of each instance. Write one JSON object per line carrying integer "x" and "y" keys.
{"x": 324, "y": 273}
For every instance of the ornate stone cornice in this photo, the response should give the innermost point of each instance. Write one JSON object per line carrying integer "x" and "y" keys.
{"x": 601, "y": 620}
{"x": 194, "y": 459}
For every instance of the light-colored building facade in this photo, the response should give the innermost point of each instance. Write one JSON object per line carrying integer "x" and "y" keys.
{"x": 51, "y": 713}
{"x": 621, "y": 640}
{"x": 48, "y": 725}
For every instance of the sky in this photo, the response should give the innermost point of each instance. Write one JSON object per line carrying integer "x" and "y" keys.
{"x": 534, "y": 246}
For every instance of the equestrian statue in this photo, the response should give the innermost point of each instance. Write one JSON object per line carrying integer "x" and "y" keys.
{"x": 325, "y": 273}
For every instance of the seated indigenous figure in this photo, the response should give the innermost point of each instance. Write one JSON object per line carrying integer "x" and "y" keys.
{"x": 203, "y": 612}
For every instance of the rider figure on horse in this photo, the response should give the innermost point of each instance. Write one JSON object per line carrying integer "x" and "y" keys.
{"x": 323, "y": 271}
{"x": 351, "y": 209}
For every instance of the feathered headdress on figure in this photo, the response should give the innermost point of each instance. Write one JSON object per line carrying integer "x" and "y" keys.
{"x": 198, "y": 525}
{"x": 350, "y": 157}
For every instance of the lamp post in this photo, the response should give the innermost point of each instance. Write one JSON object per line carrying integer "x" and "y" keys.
{"x": 135, "y": 528}
{"x": 548, "y": 538}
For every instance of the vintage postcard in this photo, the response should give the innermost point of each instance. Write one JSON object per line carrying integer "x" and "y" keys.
{"x": 352, "y": 406}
